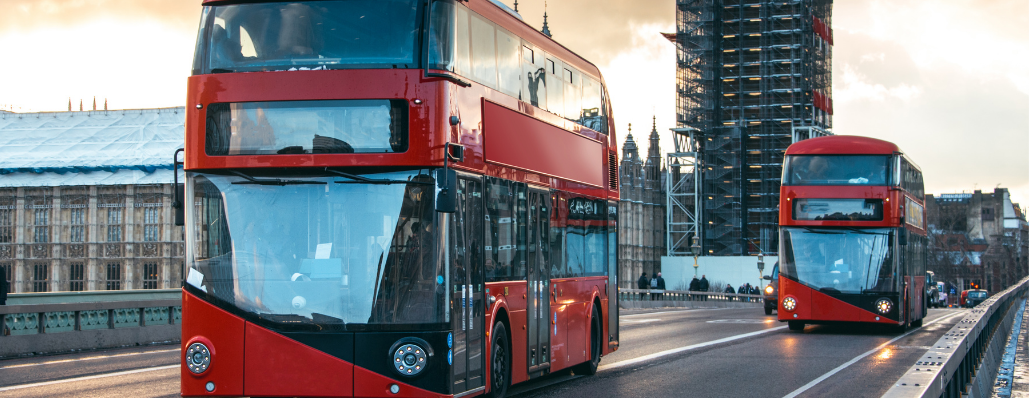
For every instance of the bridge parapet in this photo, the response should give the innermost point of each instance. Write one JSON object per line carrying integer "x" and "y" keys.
{"x": 964, "y": 362}
{"x": 43, "y": 323}
{"x": 653, "y": 298}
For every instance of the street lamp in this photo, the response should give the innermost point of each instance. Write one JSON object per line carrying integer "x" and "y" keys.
{"x": 696, "y": 249}
{"x": 761, "y": 265}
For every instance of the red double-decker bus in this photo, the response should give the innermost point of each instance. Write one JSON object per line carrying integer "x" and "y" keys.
{"x": 393, "y": 198}
{"x": 853, "y": 237}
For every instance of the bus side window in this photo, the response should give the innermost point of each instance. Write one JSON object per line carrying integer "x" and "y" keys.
{"x": 558, "y": 235}
{"x": 556, "y": 88}
{"x": 508, "y": 63}
{"x": 484, "y": 57}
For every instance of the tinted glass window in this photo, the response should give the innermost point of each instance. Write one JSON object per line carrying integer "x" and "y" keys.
{"x": 840, "y": 260}
{"x": 836, "y": 170}
{"x": 319, "y": 255}
{"x": 307, "y": 127}
{"x": 506, "y": 230}
{"x": 330, "y": 34}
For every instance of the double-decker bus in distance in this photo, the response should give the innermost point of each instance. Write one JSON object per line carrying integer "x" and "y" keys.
{"x": 853, "y": 238}
{"x": 393, "y": 198}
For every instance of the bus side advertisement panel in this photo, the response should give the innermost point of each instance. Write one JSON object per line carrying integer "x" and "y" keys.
{"x": 514, "y": 139}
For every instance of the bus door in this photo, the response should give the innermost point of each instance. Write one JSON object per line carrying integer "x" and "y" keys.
{"x": 467, "y": 306}
{"x": 538, "y": 281}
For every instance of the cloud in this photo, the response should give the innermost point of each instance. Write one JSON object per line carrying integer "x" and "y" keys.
{"x": 24, "y": 15}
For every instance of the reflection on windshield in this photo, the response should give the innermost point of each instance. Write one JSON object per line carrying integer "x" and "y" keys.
{"x": 839, "y": 260}
{"x": 836, "y": 170}
{"x": 324, "y": 254}
{"x": 311, "y": 35}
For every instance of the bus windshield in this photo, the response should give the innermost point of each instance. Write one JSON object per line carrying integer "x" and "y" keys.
{"x": 836, "y": 170}
{"x": 328, "y": 251}
{"x": 312, "y": 35}
{"x": 839, "y": 260}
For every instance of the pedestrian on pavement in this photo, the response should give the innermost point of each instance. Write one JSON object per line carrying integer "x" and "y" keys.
{"x": 754, "y": 292}
{"x": 703, "y": 286}
{"x": 729, "y": 289}
{"x": 654, "y": 285}
{"x": 661, "y": 285}
{"x": 693, "y": 286}
{"x": 642, "y": 283}
{"x": 3, "y": 285}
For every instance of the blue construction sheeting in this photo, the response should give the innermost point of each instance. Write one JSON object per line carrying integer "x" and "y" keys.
{"x": 89, "y": 148}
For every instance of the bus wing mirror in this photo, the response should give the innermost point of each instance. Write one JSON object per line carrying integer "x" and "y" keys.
{"x": 178, "y": 199}
{"x": 767, "y": 277}
{"x": 447, "y": 190}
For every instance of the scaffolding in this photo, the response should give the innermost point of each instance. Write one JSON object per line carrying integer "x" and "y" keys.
{"x": 753, "y": 77}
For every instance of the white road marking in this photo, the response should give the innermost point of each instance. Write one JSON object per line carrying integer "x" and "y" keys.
{"x": 742, "y": 321}
{"x": 85, "y": 359}
{"x": 100, "y": 376}
{"x": 827, "y": 375}
{"x": 621, "y": 316}
{"x": 622, "y": 321}
{"x": 649, "y": 357}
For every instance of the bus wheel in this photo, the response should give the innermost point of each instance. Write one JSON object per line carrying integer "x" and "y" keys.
{"x": 590, "y": 367}
{"x": 796, "y": 325}
{"x": 918, "y": 323}
{"x": 500, "y": 372}
{"x": 769, "y": 311}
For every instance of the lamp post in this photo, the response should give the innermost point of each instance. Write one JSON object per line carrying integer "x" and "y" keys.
{"x": 696, "y": 249}
{"x": 761, "y": 265}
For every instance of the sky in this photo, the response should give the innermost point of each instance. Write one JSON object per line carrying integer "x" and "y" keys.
{"x": 947, "y": 80}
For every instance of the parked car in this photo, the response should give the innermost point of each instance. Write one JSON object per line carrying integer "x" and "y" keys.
{"x": 771, "y": 291}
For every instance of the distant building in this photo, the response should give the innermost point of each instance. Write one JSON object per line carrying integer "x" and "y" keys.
{"x": 979, "y": 238}
{"x": 85, "y": 200}
{"x": 752, "y": 78}
{"x": 642, "y": 211}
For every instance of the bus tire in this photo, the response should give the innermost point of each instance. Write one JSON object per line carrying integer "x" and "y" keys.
{"x": 501, "y": 362}
{"x": 918, "y": 323}
{"x": 769, "y": 311}
{"x": 590, "y": 367}
{"x": 796, "y": 325}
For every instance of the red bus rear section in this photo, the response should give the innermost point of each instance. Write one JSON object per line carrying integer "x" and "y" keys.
{"x": 853, "y": 234}
{"x": 381, "y": 202}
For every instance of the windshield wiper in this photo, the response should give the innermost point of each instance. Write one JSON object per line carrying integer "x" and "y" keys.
{"x": 864, "y": 232}
{"x": 363, "y": 180}
{"x": 272, "y": 181}
{"x": 822, "y": 231}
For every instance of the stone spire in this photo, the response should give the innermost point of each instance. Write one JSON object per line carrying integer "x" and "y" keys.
{"x": 516, "y": 5}
{"x": 545, "y": 30}
{"x": 654, "y": 161}
{"x": 69, "y": 104}
{"x": 629, "y": 146}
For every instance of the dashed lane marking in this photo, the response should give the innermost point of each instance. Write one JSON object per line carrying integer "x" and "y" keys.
{"x": 650, "y": 357}
{"x": 834, "y": 371}
{"x": 634, "y": 321}
{"x": 85, "y": 359}
{"x": 76, "y": 379}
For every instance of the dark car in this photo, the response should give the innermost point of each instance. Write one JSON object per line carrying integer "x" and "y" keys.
{"x": 771, "y": 291}
{"x": 975, "y": 297}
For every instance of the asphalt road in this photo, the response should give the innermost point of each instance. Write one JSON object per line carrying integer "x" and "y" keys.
{"x": 711, "y": 353}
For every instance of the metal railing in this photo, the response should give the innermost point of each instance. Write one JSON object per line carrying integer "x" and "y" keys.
{"x": 37, "y": 323}
{"x": 684, "y": 295}
{"x": 964, "y": 361}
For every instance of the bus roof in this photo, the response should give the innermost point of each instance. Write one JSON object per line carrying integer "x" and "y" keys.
{"x": 842, "y": 145}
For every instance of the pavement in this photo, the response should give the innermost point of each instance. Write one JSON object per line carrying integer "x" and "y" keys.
{"x": 698, "y": 352}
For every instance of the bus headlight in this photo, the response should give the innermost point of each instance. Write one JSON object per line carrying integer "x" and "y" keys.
{"x": 409, "y": 359}
{"x": 198, "y": 358}
{"x": 883, "y": 306}
{"x": 769, "y": 289}
{"x": 789, "y": 303}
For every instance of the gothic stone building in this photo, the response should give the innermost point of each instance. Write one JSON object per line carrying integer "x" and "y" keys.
{"x": 85, "y": 200}
{"x": 642, "y": 211}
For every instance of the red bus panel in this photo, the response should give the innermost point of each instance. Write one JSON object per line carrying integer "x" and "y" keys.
{"x": 514, "y": 139}
{"x": 271, "y": 368}
{"x": 223, "y": 333}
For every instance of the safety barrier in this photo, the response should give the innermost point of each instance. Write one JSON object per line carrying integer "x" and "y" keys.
{"x": 43, "y": 323}
{"x": 650, "y": 298}
{"x": 964, "y": 361}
